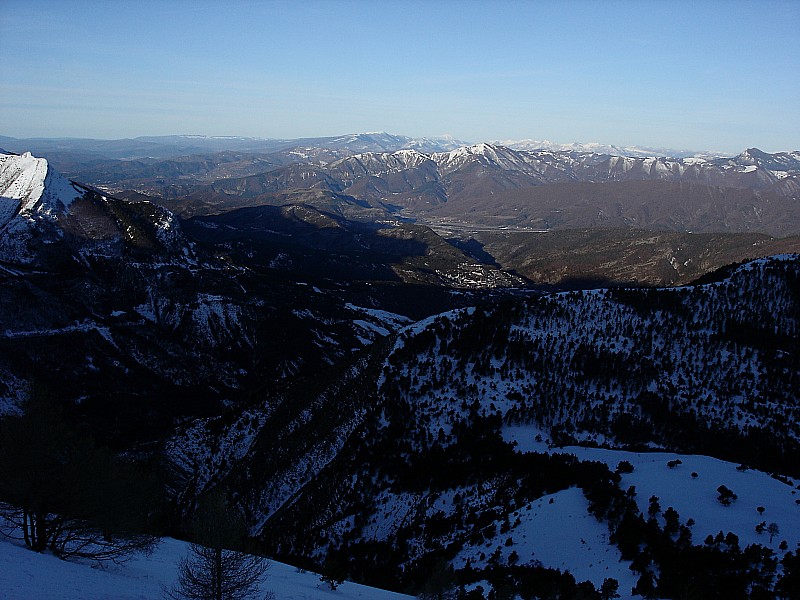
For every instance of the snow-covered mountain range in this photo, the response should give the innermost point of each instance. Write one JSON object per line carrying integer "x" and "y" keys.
{"x": 382, "y": 405}
{"x": 480, "y": 181}
{"x": 484, "y": 185}
{"x": 614, "y": 150}
{"x": 553, "y": 166}
{"x": 439, "y": 180}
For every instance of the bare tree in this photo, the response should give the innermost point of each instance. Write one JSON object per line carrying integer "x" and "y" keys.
{"x": 61, "y": 493}
{"x": 218, "y": 574}
{"x": 214, "y": 568}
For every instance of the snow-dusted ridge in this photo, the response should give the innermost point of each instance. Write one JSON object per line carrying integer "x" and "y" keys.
{"x": 40, "y": 207}
{"x": 408, "y": 171}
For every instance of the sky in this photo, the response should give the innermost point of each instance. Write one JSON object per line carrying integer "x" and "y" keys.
{"x": 701, "y": 75}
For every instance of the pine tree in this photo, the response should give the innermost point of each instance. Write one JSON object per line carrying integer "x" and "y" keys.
{"x": 609, "y": 589}
{"x": 773, "y": 530}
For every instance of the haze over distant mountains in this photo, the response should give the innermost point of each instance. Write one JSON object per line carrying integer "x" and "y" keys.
{"x": 178, "y": 145}
{"x": 175, "y": 145}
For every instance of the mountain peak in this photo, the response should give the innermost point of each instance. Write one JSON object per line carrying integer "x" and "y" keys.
{"x": 480, "y": 149}
{"x": 29, "y": 186}
{"x": 40, "y": 208}
{"x": 753, "y": 152}
{"x": 780, "y": 162}
{"x": 33, "y": 195}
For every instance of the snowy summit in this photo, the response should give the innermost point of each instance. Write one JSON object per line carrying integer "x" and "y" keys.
{"x": 29, "y": 187}
{"x": 31, "y": 193}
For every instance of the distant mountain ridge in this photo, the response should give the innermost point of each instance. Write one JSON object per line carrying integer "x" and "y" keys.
{"x": 170, "y": 146}
{"x": 164, "y": 146}
{"x": 614, "y": 150}
{"x": 490, "y": 185}
{"x": 467, "y": 191}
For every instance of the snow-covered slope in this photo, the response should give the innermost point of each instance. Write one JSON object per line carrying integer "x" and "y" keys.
{"x": 46, "y": 218}
{"x": 26, "y": 575}
{"x": 376, "y": 164}
{"x": 615, "y": 366}
{"x": 690, "y": 483}
{"x": 703, "y": 370}
{"x": 558, "y": 531}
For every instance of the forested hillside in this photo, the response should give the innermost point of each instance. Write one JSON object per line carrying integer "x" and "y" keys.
{"x": 706, "y": 368}
{"x": 453, "y": 451}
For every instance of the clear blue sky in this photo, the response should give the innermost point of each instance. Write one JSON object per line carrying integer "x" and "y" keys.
{"x": 700, "y": 75}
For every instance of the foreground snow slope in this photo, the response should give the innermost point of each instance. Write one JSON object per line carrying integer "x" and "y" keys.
{"x": 25, "y": 575}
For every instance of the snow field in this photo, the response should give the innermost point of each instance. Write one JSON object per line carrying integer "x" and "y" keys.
{"x": 557, "y": 531}
{"x": 694, "y": 497}
{"x": 697, "y": 498}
